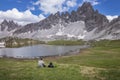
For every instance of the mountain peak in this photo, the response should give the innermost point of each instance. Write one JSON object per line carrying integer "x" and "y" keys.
{"x": 9, "y": 25}
{"x": 86, "y": 4}
{"x": 85, "y": 8}
{"x": 4, "y": 21}
{"x": 85, "y": 23}
{"x": 119, "y": 17}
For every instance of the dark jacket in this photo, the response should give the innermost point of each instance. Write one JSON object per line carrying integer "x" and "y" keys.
{"x": 51, "y": 65}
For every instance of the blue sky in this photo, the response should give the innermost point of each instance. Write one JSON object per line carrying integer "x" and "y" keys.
{"x": 27, "y": 11}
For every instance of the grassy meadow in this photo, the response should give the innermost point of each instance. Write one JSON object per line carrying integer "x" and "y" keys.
{"x": 66, "y": 42}
{"x": 100, "y": 62}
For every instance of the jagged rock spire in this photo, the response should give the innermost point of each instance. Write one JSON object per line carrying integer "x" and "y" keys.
{"x": 9, "y": 25}
{"x": 85, "y": 8}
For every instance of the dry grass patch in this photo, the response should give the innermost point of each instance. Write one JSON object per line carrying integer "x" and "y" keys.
{"x": 91, "y": 72}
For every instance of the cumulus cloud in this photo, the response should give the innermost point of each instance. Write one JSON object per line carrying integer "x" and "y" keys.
{"x": 71, "y": 3}
{"x": 110, "y": 18}
{"x": 52, "y": 6}
{"x": 20, "y": 17}
{"x": 93, "y": 2}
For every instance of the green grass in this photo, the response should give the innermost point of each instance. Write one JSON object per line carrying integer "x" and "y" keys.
{"x": 100, "y": 62}
{"x": 66, "y": 42}
{"x": 111, "y": 74}
{"x": 96, "y": 58}
{"x": 28, "y": 70}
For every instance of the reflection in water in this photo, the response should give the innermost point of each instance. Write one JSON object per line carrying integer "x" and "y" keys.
{"x": 38, "y": 50}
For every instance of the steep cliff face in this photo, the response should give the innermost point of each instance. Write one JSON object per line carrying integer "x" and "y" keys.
{"x": 84, "y": 23}
{"x": 113, "y": 29}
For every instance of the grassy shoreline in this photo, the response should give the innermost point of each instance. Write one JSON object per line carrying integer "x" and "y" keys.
{"x": 88, "y": 65}
{"x": 101, "y": 62}
{"x": 13, "y": 42}
{"x": 66, "y": 42}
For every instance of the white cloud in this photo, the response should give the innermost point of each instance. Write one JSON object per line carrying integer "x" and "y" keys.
{"x": 20, "y": 17}
{"x": 41, "y": 16}
{"x": 71, "y": 3}
{"x": 93, "y": 2}
{"x": 110, "y": 18}
{"x": 31, "y": 8}
{"x": 52, "y": 6}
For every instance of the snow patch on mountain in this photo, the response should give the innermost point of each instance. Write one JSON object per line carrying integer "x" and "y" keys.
{"x": 70, "y": 30}
{"x": 5, "y": 32}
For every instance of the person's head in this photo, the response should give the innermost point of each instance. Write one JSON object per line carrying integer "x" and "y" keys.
{"x": 50, "y": 63}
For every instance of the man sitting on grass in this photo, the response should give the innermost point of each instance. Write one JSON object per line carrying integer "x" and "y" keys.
{"x": 41, "y": 63}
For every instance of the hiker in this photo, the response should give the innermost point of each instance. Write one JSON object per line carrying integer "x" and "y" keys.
{"x": 51, "y": 65}
{"x": 41, "y": 63}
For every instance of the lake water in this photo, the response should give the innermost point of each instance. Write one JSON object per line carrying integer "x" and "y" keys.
{"x": 39, "y": 50}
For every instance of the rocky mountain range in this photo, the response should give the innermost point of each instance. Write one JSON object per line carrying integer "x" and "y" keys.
{"x": 7, "y": 28}
{"x": 84, "y": 23}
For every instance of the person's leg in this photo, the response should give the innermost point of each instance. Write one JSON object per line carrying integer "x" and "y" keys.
{"x": 44, "y": 65}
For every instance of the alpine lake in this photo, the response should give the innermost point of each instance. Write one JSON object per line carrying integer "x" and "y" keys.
{"x": 41, "y": 50}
